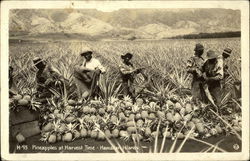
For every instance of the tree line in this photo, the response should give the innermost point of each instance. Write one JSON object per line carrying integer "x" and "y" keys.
{"x": 209, "y": 35}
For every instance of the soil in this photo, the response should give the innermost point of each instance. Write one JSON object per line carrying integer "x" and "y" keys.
{"x": 34, "y": 145}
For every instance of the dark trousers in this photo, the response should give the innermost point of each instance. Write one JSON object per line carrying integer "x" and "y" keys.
{"x": 89, "y": 85}
{"x": 197, "y": 91}
{"x": 216, "y": 91}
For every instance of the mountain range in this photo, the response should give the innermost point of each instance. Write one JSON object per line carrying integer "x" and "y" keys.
{"x": 121, "y": 24}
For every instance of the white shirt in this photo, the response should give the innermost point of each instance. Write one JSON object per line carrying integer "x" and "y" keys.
{"x": 93, "y": 64}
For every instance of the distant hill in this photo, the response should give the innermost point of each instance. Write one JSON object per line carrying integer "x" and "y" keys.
{"x": 121, "y": 24}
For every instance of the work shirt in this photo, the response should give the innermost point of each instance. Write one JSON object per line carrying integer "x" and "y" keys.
{"x": 223, "y": 63}
{"x": 93, "y": 64}
{"x": 128, "y": 77}
{"x": 215, "y": 70}
{"x": 194, "y": 66}
{"x": 126, "y": 69}
{"x": 48, "y": 72}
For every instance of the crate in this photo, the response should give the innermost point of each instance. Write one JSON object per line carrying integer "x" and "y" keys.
{"x": 24, "y": 121}
{"x": 27, "y": 129}
{"x": 24, "y": 115}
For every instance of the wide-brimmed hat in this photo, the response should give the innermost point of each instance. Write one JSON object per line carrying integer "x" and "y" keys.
{"x": 227, "y": 51}
{"x": 38, "y": 60}
{"x": 211, "y": 54}
{"x": 86, "y": 53}
{"x": 198, "y": 47}
{"x": 127, "y": 55}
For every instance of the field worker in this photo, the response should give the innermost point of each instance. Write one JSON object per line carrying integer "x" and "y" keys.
{"x": 226, "y": 54}
{"x": 128, "y": 72}
{"x": 87, "y": 75}
{"x": 213, "y": 74}
{"x": 194, "y": 67}
{"x": 10, "y": 76}
{"x": 223, "y": 61}
{"x": 12, "y": 85}
{"x": 47, "y": 77}
{"x": 237, "y": 86}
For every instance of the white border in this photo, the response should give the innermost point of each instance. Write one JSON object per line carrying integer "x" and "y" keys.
{"x": 113, "y": 5}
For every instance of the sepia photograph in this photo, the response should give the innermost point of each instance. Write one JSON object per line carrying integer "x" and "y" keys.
{"x": 120, "y": 79}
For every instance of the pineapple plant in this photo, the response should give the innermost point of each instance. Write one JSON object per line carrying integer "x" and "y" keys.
{"x": 17, "y": 97}
{"x": 94, "y": 134}
{"x": 130, "y": 123}
{"x": 131, "y": 117}
{"x": 101, "y": 136}
{"x": 27, "y": 97}
{"x": 92, "y": 110}
{"x": 20, "y": 138}
{"x": 52, "y": 135}
{"x": 83, "y": 132}
{"x": 48, "y": 127}
{"x": 170, "y": 117}
{"x": 108, "y": 133}
{"x": 169, "y": 104}
{"x": 177, "y": 117}
{"x": 138, "y": 116}
{"x": 161, "y": 114}
{"x": 144, "y": 114}
{"x": 115, "y": 133}
{"x": 178, "y": 106}
{"x": 218, "y": 129}
{"x": 187, "y": 117}
{"x": 68, "y": 136}
{"x": 200, "y": 127}
{"x": 139, "y": 102}
{"x": 52, "y": 138}
{"x": 23, "y": 102}
{"x": 152, "y": 116}
{"x": 155, "y": 134}
{"x": 82, "y": 128}
{"x": 139, "y": 123}
{"x": 188, "y": 108}
{"x": 86, "y": 110}
{"x": 122, "y": 116}
{"x": 136, "y": 137}
{"x": 148, "y": 131}
{"x": 101, "y": 111}
{"x": 76, "y": 134}
{"x": 71, "y": 102}
{"x": 131, "y": 129}
{"x": 182, "y": 111}
{"x": 123, "y": 133}
{"x": 70, "y": 118}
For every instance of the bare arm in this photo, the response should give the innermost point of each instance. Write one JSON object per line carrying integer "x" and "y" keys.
{"x": 126, "y": 70}
{"x": 219, "y": 74}
{"x": 192, "y": 68}
{"x": 217, "y": 77}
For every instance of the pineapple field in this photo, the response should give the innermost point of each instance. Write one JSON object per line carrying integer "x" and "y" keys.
{"x": 162, "y": 117}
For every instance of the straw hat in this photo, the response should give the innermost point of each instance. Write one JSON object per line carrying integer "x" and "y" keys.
{"x": 227, "y": 51}
{"x": 127, "y": 55}
{"x": 211, "y": 54}
{"x": 38, "y": 60}
{"x": 88, "y": 52}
